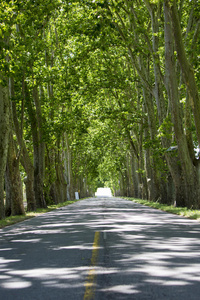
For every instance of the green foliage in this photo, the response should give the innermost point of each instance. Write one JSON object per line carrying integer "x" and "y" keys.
{"x": 16, "y": 219}
{"x": 182, "y": 211}
{"x": 93, "y": 62}
{"x": 166, "y": 129}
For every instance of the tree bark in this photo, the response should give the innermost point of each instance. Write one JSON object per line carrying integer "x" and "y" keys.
{"x": 187, "y": 70}
{"x": 68, "y": 168}
{"x": 4, "y": 138}
{"x": 14, "y": 183}
{"x": 39, "y": 153}
{"x": 61, "y": 184}
{"x": 158, "y": 92}
{"x": 135, "y": 176}
{"x": 153, "y": 178}
{"x": 188, "y": 183}
{"x": 25, "y": 158}
{"x": 38, "y": 148}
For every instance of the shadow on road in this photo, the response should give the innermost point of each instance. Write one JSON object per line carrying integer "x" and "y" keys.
{"x": 144, "y": 253}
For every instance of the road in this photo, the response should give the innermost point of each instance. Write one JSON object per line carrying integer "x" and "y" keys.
{"x": 102, "y": 249}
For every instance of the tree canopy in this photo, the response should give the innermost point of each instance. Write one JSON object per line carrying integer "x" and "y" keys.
{"x": 99, "y": 93}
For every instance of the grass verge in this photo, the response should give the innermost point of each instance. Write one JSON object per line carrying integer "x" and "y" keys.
{"x": 182, "y": 211}
{"x": 16, "y": 219}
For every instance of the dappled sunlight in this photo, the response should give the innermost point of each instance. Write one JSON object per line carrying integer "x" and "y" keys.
{"x": 26, "y": 241}
{"x": 141, "y": 250}
{"x": 46, "y": 273}
{"x": 124, "y": 289}
{"x": 12, "y": 283}
{"x": 79, "y": 247}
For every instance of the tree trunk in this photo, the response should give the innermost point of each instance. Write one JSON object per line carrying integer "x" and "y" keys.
{"x": 50, "y": 178}
{"x": 68, "y": 168}
{"x": 8, "y": 188}
{"x": 158, "y": 92}
{"x": 130, "y": 174}
{"x": 153, "y": 180}
{"x": 13, "y": 180}
{"x": 135, "y": 176}
{"x": 38, "y": 147}
{"x": 61, "y": 184}
{"x": 29, "y": 183}
{"x": 4, "y": 138}
{"x": 25, "y": 158}
{"x": 188, "y": 183}
{"x": 187, "y": 70}
{"x": 39, "y": 153}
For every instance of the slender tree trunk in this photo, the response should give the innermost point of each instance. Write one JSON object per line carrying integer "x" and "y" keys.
{"x": 25, "y": 158}
{"x": 39, "y": 153}
{"x": 38, "y": 147}
{"x": 14, "y": 189}
{"x": 68, "y": 168}
{"x": 158, "y": 92}
{"x": 188, "y": 126}
{"x": 153, "y": 179}
{"x": 187, "y": 70}
{"x": 61, "y": 184}
{"x": 130, "y": 175}
{"x": 29, "y": 183}
{"x": 4, "y": 138}
{"x": 188, "y": 186}
{"x": 8, "y": 188}
{"x": 51, "y": 193}
{"x": 13, "y": 179}
{"x": 135, "y": 176}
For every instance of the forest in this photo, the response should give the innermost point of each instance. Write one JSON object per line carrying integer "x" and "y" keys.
{"x": 99, "y": 93}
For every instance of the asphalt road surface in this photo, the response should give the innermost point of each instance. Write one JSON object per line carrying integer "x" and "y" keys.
{"x": 102, "y": 249}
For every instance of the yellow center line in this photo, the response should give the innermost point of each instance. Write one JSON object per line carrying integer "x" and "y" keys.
{"x": 91, "y": 278}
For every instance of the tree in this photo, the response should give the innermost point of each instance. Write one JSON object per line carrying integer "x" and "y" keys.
{"x": 4, "y": 97}
{"x": 101, "y": 92}
{"x": 4, "y": 139}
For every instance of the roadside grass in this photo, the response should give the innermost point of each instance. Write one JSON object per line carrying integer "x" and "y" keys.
{"x": 16, "y": 219}
{"x": 182, "y": 211}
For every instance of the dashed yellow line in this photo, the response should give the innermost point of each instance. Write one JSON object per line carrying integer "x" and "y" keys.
{"x": 91, "y": 278}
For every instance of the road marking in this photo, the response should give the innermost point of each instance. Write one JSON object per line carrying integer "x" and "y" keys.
{"x": 91, "y": 278}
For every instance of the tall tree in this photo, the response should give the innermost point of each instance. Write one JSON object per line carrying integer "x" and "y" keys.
{"x": 4, "y": 140}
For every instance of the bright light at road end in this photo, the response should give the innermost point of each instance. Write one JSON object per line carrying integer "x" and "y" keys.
{"x": 103, "y": 192}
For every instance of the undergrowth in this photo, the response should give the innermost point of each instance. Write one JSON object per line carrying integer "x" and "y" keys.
{"x": 182, "y": 211}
